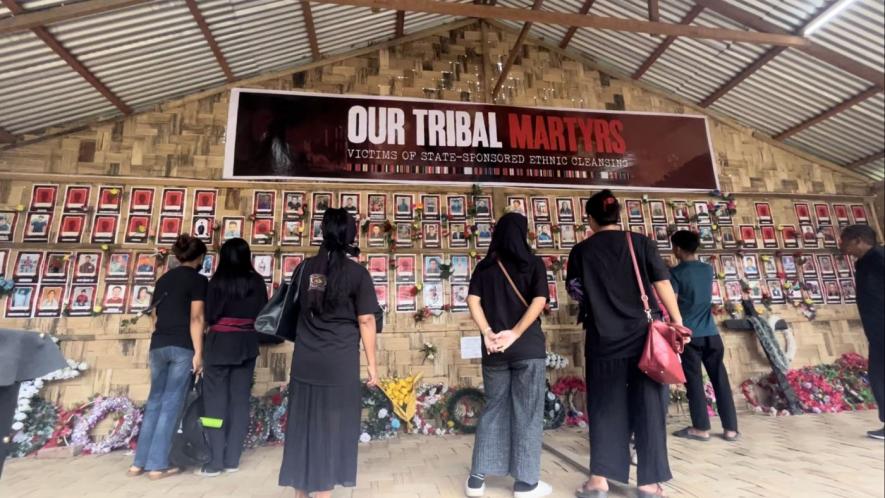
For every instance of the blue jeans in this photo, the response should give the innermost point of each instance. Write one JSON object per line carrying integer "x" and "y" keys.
{"x": 170, "y": 377}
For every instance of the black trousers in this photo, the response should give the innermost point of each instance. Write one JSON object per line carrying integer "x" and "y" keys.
{"x": 621, "y": 401}
{"x": 709, "y": 353}
{"x": 226, "y": 390}
{"x": 877, "y": 376}
{"x": 8, "y": 402}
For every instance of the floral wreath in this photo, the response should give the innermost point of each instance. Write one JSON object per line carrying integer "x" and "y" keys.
{"x": 259, "y": 425}
{"x": 554, "y": 411}
{"x": 432, "y": 415}
{"x": 464, "y": 408}
{"x": 568, "y": 387}
{"x": 37, "y": 428}
{"x": 279, "y": 414}
{"x": 378, "y": 420}
{"x": 125, "y": 429}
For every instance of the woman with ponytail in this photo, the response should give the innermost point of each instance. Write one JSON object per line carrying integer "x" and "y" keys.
{"x": 338, "y": 305}
{"x": 621, "y": 399}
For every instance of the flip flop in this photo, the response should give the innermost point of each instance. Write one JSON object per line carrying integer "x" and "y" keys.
{"x": 684, "y": 433}
{"x": 731, "y": 439}
{"x": 134, "y": 473}
{"x": 156, "y": 476}
{"x": 591, "y": 493}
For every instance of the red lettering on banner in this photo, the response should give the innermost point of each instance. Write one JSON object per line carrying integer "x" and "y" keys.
{"x": 520, "y": 131}
{"x": 541, "y": 139}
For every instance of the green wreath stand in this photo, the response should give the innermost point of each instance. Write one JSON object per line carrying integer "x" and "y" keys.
{"x": 473, "y": 395}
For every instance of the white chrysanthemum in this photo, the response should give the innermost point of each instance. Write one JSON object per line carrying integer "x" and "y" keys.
{"x": 382, "y": 413}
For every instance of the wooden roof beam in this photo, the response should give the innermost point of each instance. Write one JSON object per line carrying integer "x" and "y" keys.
{"x": 588, "y": 4}
{"x": 659, "y": 51}
{"x": 6, "y": 137}
{"x": 654, "y": 11}
{"x": 866, "y": 160}
{"x": 311, "y": 30}
{"x": 400, "y": 26}
{"x": 808, "y": 123}
{"x": 514, "y": 53}
{"x": 26, "y": 20}
{"x": 726, "y": 87}
{"x": 210, "y": 39}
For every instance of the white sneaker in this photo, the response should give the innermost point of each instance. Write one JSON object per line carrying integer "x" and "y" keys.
{"x": 542, "y": 489}
{"x": 231, "y": 471}
{"x": 474, "y": 492}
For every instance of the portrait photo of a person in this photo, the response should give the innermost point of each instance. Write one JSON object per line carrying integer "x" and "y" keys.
{"x": 115, "y": 296}
{"x": 38, "y": 225}
{"x": 50, "y": 299}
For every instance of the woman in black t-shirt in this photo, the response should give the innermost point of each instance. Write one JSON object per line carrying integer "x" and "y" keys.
{"x": 337, "y": 309}
{"x": 621, "y": 400}
{"x": 235, "y": 297}
{"x": 508, "y": 292}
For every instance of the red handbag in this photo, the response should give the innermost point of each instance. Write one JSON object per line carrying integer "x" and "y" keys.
{"x": 665, "y": 341}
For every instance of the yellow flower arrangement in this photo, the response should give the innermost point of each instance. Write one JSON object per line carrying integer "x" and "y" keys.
{"x": 401, "y": 393}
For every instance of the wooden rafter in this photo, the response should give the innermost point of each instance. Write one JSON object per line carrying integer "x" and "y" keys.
{"x": 808, "y": 123}
{"x": 24, "y": 21}
{"x": 485, "y": 68}
{"x": 400, "y": 26}
{"x": 311, "y": 29}
{"x": 726, "y": 87}
{"x": 210, "y": 39}
{"x": 588, "y": 4}
{"x": 6, "y": 137}
{"x": 818, "y": 51}
{"x": 654, "y": 11}
{"x": 570, "y": 19}
{"x": 866, "y": 160}
{"x": 69, "y": 58}
{"x": 659, "y": 51}
{"x": 514, "y": 52}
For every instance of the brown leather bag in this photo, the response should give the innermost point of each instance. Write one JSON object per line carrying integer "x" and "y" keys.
{"x": 665, "y": 342}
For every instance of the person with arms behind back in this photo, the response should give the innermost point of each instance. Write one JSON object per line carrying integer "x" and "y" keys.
{"x": 176, "y": 352}
{"x": 236, "y": 295}
{"x": 621, "y": 399}
{"x": 337, "y": 309}
{"x": 693, "y": 283}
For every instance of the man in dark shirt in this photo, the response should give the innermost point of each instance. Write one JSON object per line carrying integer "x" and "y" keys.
{"x": 860, "y": 241}
{"x": 693, "y": 283}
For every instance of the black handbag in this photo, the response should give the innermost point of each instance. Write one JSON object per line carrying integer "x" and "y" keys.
{"x": 189, "y": 445}
{"x": 279, "y": 317}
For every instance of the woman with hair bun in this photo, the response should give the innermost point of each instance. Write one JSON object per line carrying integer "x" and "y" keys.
{"x": 175, "y": 353}
{"x": 621, "y": 399}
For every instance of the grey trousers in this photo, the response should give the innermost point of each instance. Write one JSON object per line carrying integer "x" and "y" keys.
{"x": 511, "y": 427}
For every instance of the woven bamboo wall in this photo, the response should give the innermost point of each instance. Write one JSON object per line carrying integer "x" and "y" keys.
{"x": 182, "y": 145}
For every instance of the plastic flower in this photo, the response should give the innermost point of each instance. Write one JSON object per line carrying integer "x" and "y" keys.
{"x": 105, "y": 247}
{"x": 97, "y": 309}
{"x": 365, "y": 437}
{"x": 20, "y": 208}
{"x": 382, "y": 413}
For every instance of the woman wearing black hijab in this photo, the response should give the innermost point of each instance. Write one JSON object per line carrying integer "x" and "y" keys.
{"x": 337, "y": 302}
{"x": 508, "y": 292}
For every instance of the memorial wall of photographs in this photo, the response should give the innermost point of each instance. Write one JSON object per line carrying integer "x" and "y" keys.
{"x": 73, "y": 256}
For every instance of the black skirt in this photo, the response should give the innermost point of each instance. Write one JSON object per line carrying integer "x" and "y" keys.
{"x": 322, "y": 437}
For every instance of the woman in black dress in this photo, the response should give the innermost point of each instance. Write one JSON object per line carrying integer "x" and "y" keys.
{"x": 621, "y": 399}
{"x": 235, "y": 297}
{"x": 337, "y": 302}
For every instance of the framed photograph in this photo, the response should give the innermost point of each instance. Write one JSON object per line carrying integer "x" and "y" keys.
{"x": 843, "y": 266}
{"x": 377, "y": 235}
{"x": 549, "y": 260}
{"x": 769, "y": 265}
{"x": 716, "y": 293}
{"x": 755, "y": 290}
{"x": 203, "y": 228}
{"x": 406, "y": 300}
{"x": 457, "y": 207}
{"x": 263, "y": 264}
{"x": 815, "y": 291}
{"x": 432, "y": 264}
{"x": 459, "y": 297}
{"x": 483, "y": 207}
{"x": 567, "y": 237}
{"x": 708, "y": 240}
{"x": 849, "y": 292}
{"x": 404, "y": 235}
{"x": 141, "y": 200}
{"x": 86, "y": 267}
{"x": 293, "y": 204}
{"x": 840, "y": 211}
{"x": 76, "y": 198}
{"x": 70, "y": 229}
{"x": 210, "y": 261}
{"x": 350, "y": 202}
{"x": 748, "y": 237}
{"x": 289, "y": 263}
{"x": 582, "y": 207}
{"x": 292, "y": 231}
{"x": 145, "y": 266}
{"x": 634, "y": 211}
{"x": 729, "y": 265}
{"x": 681, "y": 213}
{"x": 543, "y": 235}
{"x": 382, "y": 292}
{"x": 20, "y": 303}
{"x": 457, "y": 235}
{"x": 729, "y": 241}
{"x": 316, "y": 232}
{"x": 662, "y": 237}
{"x": 461, "y": 268}
{"x": 769, "y": 237}
{"x": 27, "y": 266}
{"x": 405, "y": 268}
{"x": 403, "y": 207}
{"x": 541, "y": 209}
{"x": 264, "y": 202}
{"x": 809, "y": 269}
{"x": 81, "y": 300}
{"x": 110, "y": 199}
{"x": 658, "y": 210}
{"x": 789, "y": 266}
{"x": 43, "y": 197}
{"x": 565, "y": 210}
{"x": 232, "y": 228}
{"x": 554, "y": 296}
{"x": 712, "y": 261}
{"x": 321, "y": 202}
{"x": 104, "y": 228}
{"x": 37, "y": 227}
{"x": 118, "y": 266}
{"x": 168, "y": 229}
{"x": 517, "y": 204}
{"x": 826, "y": 265}
{"x": 763, "y": 213}
{"x": 379, "y": 265}
{"x": 4, "y": 259}
{"x": 790, "y": 236}
{"x": 776, "y": 291}
{"x": 262, "y": 232}
{"x": 809, "y": 236}
{"x": 722, "y": 213}
{"x": 205, "y": 202}
{"x": 115, "y": 296}
{"x": 822, "y": 213}
{"x": 751, "y": 266}
{"x": 432, "y": 235}
{"x": 433, "y": 295}
{"x": 803, "y": 212}
{"x": 829, "y": 235}
{"x": 702, "y": 212}
{"x": 141, "y": 297}
{"x": 378, "y": 206}
{"x": 173, "y": 200}
{"x": 7, "y": 225}
{"x": 483, "y": 234}
{"x": 733, "y": 291}
{"x": 431, "y": 206}
{"x": 859, "y": 212}
{"x": 640, "y": 229}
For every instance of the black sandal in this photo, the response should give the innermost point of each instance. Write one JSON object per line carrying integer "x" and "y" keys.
{"x": 686, "y": 433}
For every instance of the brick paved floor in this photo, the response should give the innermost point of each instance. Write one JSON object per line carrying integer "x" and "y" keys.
{"x": 807, "y": 456}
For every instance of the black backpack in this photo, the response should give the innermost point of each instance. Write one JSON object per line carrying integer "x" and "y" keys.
{"x": 189, "y": 445}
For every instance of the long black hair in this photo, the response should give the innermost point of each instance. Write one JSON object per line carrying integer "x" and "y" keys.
{"x": 233, "y": 279}
{"x": 509, "y": 243}
{"x": 327, "y": 280}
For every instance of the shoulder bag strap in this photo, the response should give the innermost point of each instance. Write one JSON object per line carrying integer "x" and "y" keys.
{"x": 296, "y": 282}
{"x": 512, "y": 285}
{"x": 643, "y": 295}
